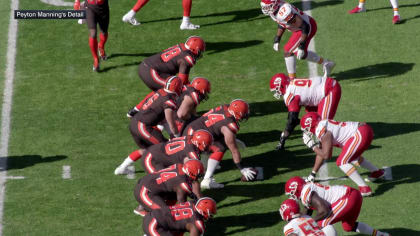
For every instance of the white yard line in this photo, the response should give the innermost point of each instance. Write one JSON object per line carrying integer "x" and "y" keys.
{"x": 66, "y": 172}
{"x": 313, "y": 71}
{"x": 7, "y": 104}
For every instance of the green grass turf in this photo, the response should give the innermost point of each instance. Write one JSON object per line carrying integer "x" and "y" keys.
{"x": 4, "y": 22}
{"x": 64, "y": 114}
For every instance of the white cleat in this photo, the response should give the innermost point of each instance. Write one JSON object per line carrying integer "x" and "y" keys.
{"x": 127, "y": 18}
{"x": 81, "y": 21}
{"x": 327, "y": 67}
{"x": 188, "y": 26}
{"x": 120, "y": 170}
{"x": 210, "y": 183}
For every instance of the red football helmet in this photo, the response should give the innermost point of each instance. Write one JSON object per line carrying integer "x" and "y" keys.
{"x": 294, "y": 186}
{"x": 309, "y": 122}
{"x": 278, "y": 84}
{"x": 269, "y": 6}
{"x": 173, "y": 85}
{"x": 239, "y": 109}
{"x": 194, "y": 169}
{"x": 289, "y": 209}
{"x": 206, "y": 207}
{"x": 196, "y": 45}
{"x": 202, "y": 85}
{"x": 202, "y": 139}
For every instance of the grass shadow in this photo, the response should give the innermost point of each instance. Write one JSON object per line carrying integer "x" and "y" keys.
{"x": 401, "y": 174}
{"x": 377, "y": 71}
{"x": 385, "y": 130}
{"x": 212, "y": 48}
{"x": 21, "y": 162}
{"x": 267, "y": 108}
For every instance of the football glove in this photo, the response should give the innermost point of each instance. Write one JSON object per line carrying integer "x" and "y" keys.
{"x": 300, "y": 54}
{"x": 311, "y": 177}
{"x": 248, "y": 173}
{"x": 276, "y": 47}
{"x": 308, "y": 141}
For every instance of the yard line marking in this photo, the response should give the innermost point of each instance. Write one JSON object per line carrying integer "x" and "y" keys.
{"x": 313, "y": 72}
{"x": 131, "y": 172}
{"x": 7, "y": 103}
{"x": 66, "y": 172}
{"x": 15, "y": 177}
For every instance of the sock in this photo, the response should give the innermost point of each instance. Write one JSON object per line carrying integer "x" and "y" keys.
{"x": 134, "y": 156}
{"x": 139, "y": 5}
{"x": 313, "y": 57}
{"x": 186, "y": 4}
{"x": 127, "y": 161}
{"x": 93, "y": 44}
{"x": 367, "y": 165}
{"x": 291, "y": 65}
{"x": 352, "y": 173}
{"x": 394, "y": 4}
{"x": 211, "y": 167}
{"x": 103, "y": 38}
{"x": 186, "y": 19}
{"x": 365, "y": 229}
{"x": 361, "y": 3}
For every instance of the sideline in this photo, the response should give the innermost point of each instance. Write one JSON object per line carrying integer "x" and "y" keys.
{"x": 7, "y": 103}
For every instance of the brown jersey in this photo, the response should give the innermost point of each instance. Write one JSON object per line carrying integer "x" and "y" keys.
{"x": 181, "y": 215}
{"x": 192, "y": 93}
{"x": 167, "y": 61}
{"x": 152, "y": 111}
{"x": 213, "y": 121}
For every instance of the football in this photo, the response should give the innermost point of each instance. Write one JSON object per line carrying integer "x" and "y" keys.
{"x": 243, "y": 178}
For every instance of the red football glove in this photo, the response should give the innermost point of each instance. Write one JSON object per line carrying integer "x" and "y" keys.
{"x": 76, "y": 5}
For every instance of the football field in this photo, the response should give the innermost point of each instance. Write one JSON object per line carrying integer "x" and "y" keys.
{"x": 66, "y": 116}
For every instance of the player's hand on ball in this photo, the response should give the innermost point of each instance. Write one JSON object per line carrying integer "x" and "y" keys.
{"x": 311, "y": 177}
{"x": 308, "y": 141}
{"x": 249, "y": 173}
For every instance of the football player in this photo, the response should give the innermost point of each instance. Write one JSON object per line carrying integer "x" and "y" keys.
{"x": 223, "y": 123}
{"x": 321, "y": 94}
{"x": 394, "y": 3}
{"x": 178, "y": 59}
{"x": 185, "y": 217}
{"x": 335, "y": 203}
{"x": 352, "y": 137}
{"x": 97, "y": 12}
{"x": 157, "y": 106}
{"x": 303, "y": 28}
{"x": 154, "y": 191}
{"x": 301, "y": 225}
{"x": 175, "y": 151}
{"x": 185, "y": 25}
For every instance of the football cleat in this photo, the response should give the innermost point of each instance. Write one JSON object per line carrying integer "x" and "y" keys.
{"x": 188, "y": 26}
{"x": 376, "y": 175}
{"x": 210, "y": 183}
{"x": 327, "y": 67}
{"x": 128, "y": 18}
{"x": 357, "y": 10}
{"x": 133, "y": 111}
{"x": 95, "y": 66}
{"x": 121, "y": 170}
{"x": 102, "y": 54}
{"x": 365, "y": 191}
{"x": 396, "y": 20}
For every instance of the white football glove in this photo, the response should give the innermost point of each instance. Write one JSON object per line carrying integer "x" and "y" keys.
{"x": 311, "y": 177}
{"x": 248, "y": 173}
{"x": 308, "y": 141}
{"x": 300, "y": 54}
{"x": 276, "y": 47}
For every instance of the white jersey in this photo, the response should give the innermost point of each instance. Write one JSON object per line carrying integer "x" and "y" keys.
{"x": 311, "y": 91}
{"x": 303, "y": 226}
{"x": 330, "y": 194}
{"x": 341, "y": 131}
{"x": 296, "y": 11}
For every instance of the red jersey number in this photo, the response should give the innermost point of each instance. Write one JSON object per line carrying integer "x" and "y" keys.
{"x": 174, "y": 147}
{"x": 302, "y": 82}
{"x": 182, "y": 213}
{"x": 310, "y": 228}
{"x": 213, "y": 119}
{"x": 150, "y": 101}
{"x": 170, "y": 53}
{"x": 342, "y": 124}
{"x": 165, "y": 176}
